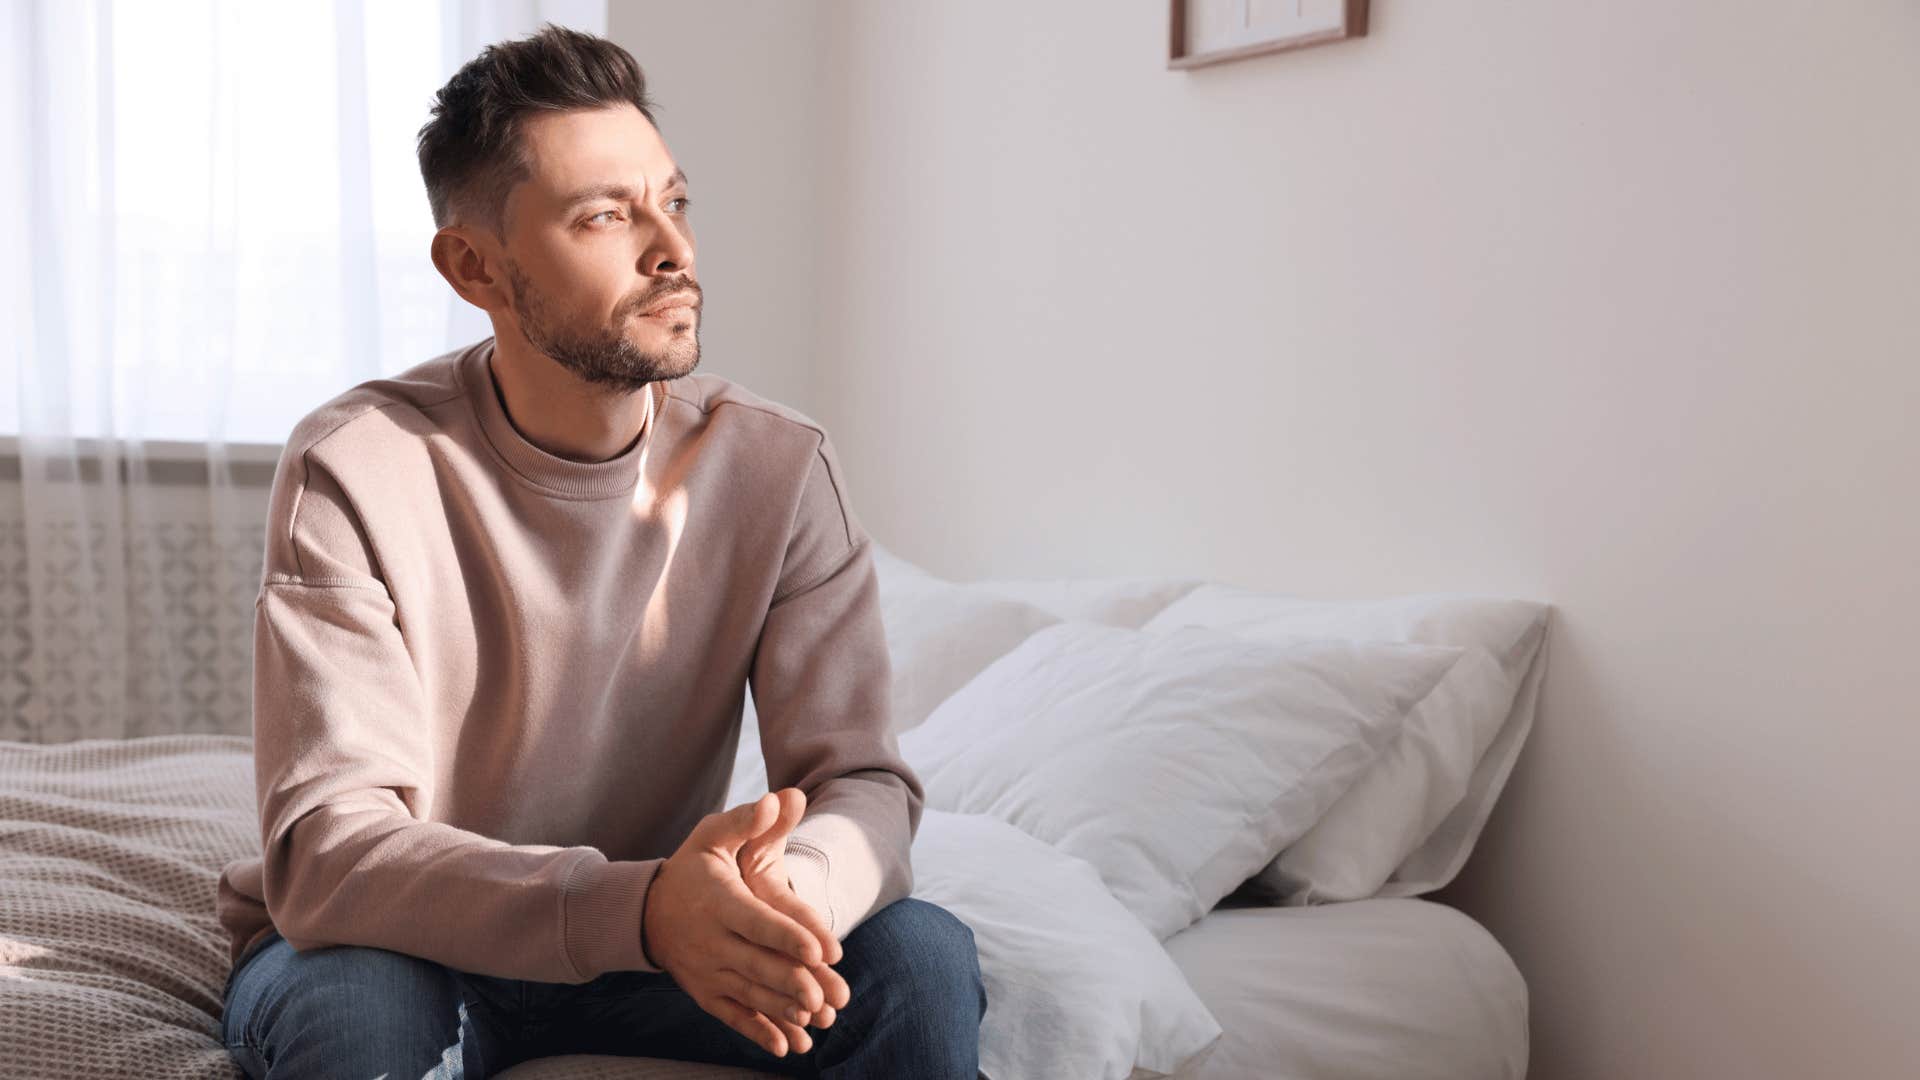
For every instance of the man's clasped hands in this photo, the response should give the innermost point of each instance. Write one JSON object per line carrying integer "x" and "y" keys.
{"x": 722, "y": 919}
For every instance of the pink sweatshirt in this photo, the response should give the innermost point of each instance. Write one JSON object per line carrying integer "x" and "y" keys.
{"x": 495, "y": 688}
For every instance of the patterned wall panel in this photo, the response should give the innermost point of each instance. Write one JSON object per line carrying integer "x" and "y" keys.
{"x": 111, "y": 630}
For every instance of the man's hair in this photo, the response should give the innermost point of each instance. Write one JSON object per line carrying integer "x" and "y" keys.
{"x": 471, "y": 153}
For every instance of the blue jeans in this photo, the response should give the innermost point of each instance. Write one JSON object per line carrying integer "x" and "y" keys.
{"x": 356, "y": 1013}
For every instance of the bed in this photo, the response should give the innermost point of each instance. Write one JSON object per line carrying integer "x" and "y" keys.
{"x": 111, "y": 963}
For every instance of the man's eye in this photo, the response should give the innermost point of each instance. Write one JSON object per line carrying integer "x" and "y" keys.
{"x": 684, "y": 203}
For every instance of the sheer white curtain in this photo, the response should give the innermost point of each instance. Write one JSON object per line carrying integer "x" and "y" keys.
{"x": 213, "y": 221}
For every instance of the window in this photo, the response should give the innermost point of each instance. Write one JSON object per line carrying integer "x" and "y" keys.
{"x": 216, "y": 219}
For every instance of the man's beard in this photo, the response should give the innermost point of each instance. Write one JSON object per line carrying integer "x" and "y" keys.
{"x": 604, "y": 355}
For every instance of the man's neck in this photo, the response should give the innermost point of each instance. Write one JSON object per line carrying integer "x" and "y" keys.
{"x": 560, "y": 413}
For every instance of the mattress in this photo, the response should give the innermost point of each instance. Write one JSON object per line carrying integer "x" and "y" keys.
{"x": 1364, "y": 990}
{"x": 112, "y": 963}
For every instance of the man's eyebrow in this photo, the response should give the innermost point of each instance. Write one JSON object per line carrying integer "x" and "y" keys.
{"x": 615, "y": 191}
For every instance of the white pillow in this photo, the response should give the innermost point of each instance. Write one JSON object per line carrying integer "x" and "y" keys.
{"x": 1075, "y": 986}
{"x": 1422, "y": 780}
{"x": 940, "y": 634}
{"x": 1437, "y": 861}
{"x": 1178, "y": 763}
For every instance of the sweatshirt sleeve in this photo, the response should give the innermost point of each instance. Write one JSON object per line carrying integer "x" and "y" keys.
{"x": 821, "y": 679}
{"x": 344, "y": 777}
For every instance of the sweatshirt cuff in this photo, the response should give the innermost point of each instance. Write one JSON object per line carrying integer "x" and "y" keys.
{"x": 601, "y": 915}
{"x": 807, "y": 868}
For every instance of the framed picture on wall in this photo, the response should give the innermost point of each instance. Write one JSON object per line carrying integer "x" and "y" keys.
{"x": 1209, "y": 31}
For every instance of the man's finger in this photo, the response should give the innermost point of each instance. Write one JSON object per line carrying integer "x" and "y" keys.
{"x": 763, "y": 924}
{"x": 776, "y": 970}
{"x": 833, "y": 986}
{"x": 832, "y": 983}
{"x": 793, "y": 807}
{"x": 784, "y": 900}
{"x": 771, "y": 1003}
{"x": 749, "y": 1022}
{"x": 798, "y": 1037}
{"x": 770, "y": 845}
{"x": 727, "y": 831}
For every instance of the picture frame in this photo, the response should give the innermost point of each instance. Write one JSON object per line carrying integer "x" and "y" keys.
{"x": 1212, "y": 31}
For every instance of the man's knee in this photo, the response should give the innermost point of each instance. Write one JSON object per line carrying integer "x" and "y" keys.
{"x": 931, "y": 956}
{"x": 926, "y": 967}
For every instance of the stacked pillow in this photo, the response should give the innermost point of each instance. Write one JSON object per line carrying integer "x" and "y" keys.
{"x": 1177, "y": 762}
{"x": 1172, "y": 740}
{"x": 1407, "y": 826}
{"x": 1409, "y": 819}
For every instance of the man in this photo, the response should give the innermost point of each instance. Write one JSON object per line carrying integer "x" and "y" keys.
{"x": 512, "y": 603}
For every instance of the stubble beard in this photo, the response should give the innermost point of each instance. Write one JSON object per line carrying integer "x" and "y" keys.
{"x": 603, "y": 356}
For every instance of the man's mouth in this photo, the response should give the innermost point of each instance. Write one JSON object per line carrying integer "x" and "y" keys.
{"x": 679, "y": 305}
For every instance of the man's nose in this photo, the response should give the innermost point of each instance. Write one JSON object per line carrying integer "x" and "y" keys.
{"x": 667, "y": 250}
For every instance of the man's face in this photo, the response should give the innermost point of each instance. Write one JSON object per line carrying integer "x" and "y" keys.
{"x": 596, "y": 238}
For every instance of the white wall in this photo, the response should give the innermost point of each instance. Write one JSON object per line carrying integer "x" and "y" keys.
{"x": 1611, "y": 305}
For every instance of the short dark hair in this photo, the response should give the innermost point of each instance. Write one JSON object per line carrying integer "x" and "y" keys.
{"x": 471, "y": 153}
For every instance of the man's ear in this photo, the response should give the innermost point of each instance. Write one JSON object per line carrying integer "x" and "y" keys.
{"x": 461, "y": 259}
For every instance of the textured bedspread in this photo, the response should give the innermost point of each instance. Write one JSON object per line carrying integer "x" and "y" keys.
{"x": 111, "y": 961}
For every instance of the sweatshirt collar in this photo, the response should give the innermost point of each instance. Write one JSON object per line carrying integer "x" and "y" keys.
{"x": 551, "y": 473}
